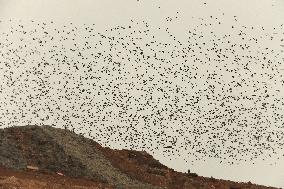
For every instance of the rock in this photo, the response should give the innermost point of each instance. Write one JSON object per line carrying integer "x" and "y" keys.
{"x": 32, "y": 167}
{"x": 61, "y": 174}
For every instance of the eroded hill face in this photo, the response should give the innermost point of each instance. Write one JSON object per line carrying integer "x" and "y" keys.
{"x": 63, "y": 155}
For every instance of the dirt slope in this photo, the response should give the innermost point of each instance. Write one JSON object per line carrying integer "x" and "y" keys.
{"x": 15, "y": 179}
{"x": 53, "y": 150}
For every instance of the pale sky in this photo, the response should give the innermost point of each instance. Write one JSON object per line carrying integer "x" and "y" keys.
{"x": 177, "y": 17}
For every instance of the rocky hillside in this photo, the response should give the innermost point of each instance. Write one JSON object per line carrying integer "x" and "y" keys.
{"x": 36, "y": 157}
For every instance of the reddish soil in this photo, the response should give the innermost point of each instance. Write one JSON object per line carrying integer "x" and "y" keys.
{"x": 12, "y": 179}
{"x": 142, "y": 166}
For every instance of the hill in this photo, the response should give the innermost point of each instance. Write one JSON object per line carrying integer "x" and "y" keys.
{"x": 36, "y": 157}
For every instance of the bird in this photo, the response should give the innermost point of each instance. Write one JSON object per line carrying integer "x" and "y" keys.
{"x": 126, "y": 86}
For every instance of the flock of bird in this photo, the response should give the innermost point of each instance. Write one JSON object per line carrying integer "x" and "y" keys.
{"x": 213, "y": 95}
